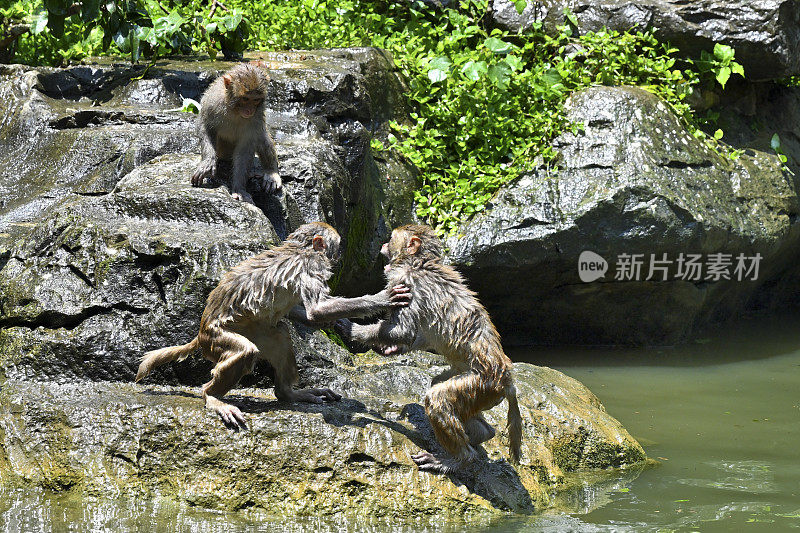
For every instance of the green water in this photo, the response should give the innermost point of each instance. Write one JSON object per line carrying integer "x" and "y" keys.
{"x": 722, "y": 416}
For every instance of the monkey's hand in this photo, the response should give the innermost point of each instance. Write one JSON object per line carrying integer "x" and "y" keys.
{"x": 205, "y": 170}
{"x": 271, "y": 181}
{"x": 399, "y": 296}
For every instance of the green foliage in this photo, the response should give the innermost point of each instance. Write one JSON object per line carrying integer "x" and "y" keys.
{"x": 487, "y": 103}
{"x": 720, "y": 64}
{"x": 775, "y": 144}
{"x": 64, "y": 31}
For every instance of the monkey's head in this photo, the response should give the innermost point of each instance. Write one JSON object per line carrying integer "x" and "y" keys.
{"x": 320, "y": 237}
{"x": 414, "y": 241}
{"x": 246, "y": 88}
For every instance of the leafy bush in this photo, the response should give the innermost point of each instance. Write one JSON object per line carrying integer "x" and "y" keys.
{"x": 64, "y": 31}
{"x": 487, "y": 103}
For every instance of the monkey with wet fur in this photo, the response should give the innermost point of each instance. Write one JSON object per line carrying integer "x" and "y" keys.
{"x": 445, "y": 316}
{"x": 241, "y": 322}
{"x": 232, "y": 127}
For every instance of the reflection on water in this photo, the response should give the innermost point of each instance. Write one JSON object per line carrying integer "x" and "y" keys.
{"x": 722, "y": 416}
{"x": 747, "y": 476}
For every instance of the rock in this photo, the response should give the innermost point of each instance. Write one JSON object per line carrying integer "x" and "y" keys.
{"x": 104, "y": 278}
{"x": 764, "y": 34}
{"x": 349, "y": 458}
{"x": 633, "y": 182}
{"x": 79, "y": 131}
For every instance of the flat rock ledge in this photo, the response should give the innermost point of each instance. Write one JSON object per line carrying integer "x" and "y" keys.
{"x": 345, "y": 459}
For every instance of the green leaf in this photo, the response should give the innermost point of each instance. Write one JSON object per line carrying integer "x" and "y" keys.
{"x": 514, "y": 62}
{"x": 737, "y": 69}
{"x": 474, "y": 70}
{"x": 438, "y": 69}
{"x": 723, "y": 75}
{"x": 498, "y": 46}
{"x": 571, "y": 18}
{"x": 57, "y": 7}
{"x": 718, "y": 134}
{"x": 190, "y": 106}
{"x": 90, "y": 10}
{"x": 56, "y": 24}
{"x": 551, "y": 77}
{"x": 39, "y": 22}
{"x": 724, "y": 52}
{"x": 231, "y": 22}
{"x": 775, "y": 142}
{"x": 500, "y": 74}
{"x": 520, "y": 5}
{"x": 211, "y": 27}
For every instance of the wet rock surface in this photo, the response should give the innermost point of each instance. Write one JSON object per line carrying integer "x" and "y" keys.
{"x": 634, "y": 181}
{"x": 346, "y": 458}
{"x": 765, "y": 34}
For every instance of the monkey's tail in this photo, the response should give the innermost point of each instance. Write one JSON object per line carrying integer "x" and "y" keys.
{"x": 156, "y": 358}
{"x": 514, "y": 425}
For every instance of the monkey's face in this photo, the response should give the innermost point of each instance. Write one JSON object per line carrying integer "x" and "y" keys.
{"x": 249, "y": 104}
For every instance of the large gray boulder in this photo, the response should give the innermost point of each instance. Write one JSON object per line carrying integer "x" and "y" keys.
{"x": 634, "y": 181}
{"x": 76, "y": 132}
{"x": 764, "y": 33}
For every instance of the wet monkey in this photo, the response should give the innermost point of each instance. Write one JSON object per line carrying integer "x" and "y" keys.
{"x": 241, "y": 322}
{"x": 232, "y": 127}
{"x": 445, "y": 316}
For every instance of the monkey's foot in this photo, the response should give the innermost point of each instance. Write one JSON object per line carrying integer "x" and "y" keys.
{"x": 203, "y": 173}
{"x": 271, "y": 182}
{"x": 242, "y": 196}
{"x": 231, "y": 416}
{"x": 428, "y": 462}
{"x": 316, "y": 396}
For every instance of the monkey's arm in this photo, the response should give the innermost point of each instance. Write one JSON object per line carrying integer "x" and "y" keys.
{"x": 398, "y": 330}
{"x": 298, "y": 314}
{"x": 333, "y": 308}
{"x": 208, "y": 164}
{"x": 269, "y": 162}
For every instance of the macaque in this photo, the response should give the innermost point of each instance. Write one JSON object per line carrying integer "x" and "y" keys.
{"x": 241, "y": 321}
{"x": 445, "y": 316}
{"x": 232, "y": 127}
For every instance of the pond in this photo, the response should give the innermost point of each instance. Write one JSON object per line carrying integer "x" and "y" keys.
{"x": 722, "y": 416}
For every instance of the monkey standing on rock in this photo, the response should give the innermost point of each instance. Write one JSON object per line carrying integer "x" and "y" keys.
{"x": 445, "y": 316}
{"x": 233, "y": 127}
{"x": 240, "y": 323}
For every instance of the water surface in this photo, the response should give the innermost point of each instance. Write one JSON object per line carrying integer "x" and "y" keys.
{"x": 722, "y": 415}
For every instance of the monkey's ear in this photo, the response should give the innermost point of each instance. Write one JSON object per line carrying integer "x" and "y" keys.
{"x": 226, "y": 79}
{"x": 413, "y": 245}
{"x": 318, "y": 243}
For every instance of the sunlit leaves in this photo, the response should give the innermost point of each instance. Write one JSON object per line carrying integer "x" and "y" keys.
{"x": 498, "y": 46}
{"x": 475, "y": 70}
{"x": 439, "y": 69}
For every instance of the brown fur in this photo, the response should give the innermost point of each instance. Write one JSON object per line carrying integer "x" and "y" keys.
{"x": 232, "y": 127}
{"x": 445, "y": 316}
{"x": 241, "y": 322}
